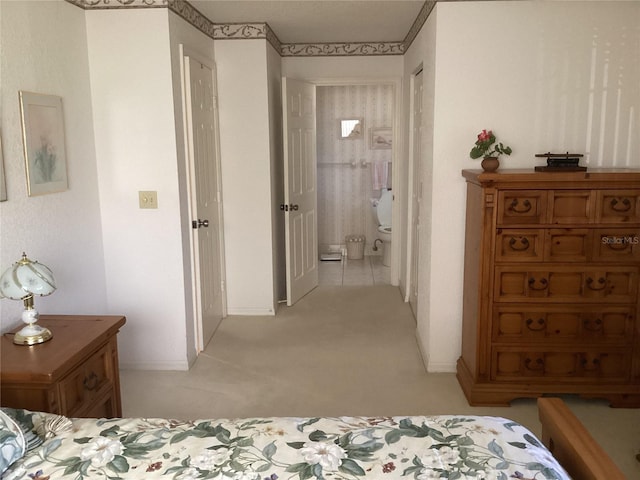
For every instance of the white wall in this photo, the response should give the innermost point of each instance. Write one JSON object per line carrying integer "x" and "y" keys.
{"x": 44, "y": 50}
{"x": 245, "y": 149}
{"x": 133, "y": 111}
{"x": 541, "y": 87}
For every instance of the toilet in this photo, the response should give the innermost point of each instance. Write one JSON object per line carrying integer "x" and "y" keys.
{"x": 383, "y": 212}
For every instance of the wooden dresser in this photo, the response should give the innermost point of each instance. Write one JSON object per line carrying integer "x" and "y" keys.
{"x": 551, "y": 279}
{"x": 74, "y": 374}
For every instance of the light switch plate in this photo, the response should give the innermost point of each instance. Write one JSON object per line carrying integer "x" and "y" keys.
{"x": 148, "y": 199}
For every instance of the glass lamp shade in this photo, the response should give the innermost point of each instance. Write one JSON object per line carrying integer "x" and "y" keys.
{"x": 22, "y": 281}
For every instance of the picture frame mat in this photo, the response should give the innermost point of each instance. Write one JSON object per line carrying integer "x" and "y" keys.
{"x": 44, "y": 143}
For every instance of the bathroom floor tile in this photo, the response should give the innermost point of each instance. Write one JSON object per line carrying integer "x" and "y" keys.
{"x": 366, "y": 271}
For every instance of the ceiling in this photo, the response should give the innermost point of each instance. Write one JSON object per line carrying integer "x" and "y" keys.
{"x": 320, "y": 21}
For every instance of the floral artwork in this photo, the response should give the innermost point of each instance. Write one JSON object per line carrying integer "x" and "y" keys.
{"x": 44, "y": 146}
{"x": 346, "y": 448}
{"x": 381, "y": 138}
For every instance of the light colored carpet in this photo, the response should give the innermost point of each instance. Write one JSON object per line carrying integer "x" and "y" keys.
{"x": 339, "y": 351}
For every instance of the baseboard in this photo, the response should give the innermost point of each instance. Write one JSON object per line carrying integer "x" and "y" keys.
{"x": 180, "y": 366}
{"x": 446, "y": 367}
{"x": 433, "y": 367}
{"x": 250, "y": 311}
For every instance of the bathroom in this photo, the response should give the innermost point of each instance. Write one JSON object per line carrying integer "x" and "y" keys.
{"x": 354, "y": 169}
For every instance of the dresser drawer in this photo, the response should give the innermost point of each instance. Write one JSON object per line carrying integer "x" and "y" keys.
{"x": 616, "y": 245}
{"x": 563, "y": 323}
{"x": 560, "y": 365}
{"x": 572, "y": 207}
{"x": 568, "y": 245}
{"x": 88, "y": 382}
{"x": 522, "y": 207}
{"x": 609, "y": 284}
{"x": 618, "y": 206}
{"x": 520, "y": 245}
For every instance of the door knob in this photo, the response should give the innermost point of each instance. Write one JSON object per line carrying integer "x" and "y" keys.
{"x": 200, "y": 223}
{"x": 288, "y": 208}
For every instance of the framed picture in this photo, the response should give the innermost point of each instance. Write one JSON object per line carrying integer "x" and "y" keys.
{"x": 43, "y": 138}
{"x": 381, "y": 138}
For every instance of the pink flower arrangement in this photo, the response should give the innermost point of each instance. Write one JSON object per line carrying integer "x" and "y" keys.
{"x": 486, "y": 146}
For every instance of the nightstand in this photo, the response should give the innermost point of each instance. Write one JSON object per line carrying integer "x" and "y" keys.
{"x": 74, "y": 374}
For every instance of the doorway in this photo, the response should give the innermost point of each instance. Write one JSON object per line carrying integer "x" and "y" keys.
{"x": 353, "y": 170}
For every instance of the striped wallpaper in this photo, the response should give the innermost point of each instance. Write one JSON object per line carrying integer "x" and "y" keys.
{"x": 344, "y": 191}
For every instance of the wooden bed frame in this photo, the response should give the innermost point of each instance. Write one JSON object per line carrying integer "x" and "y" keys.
{"x": 572, "y": 445}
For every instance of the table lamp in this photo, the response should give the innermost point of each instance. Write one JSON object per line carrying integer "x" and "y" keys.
{"x": 22, "y": 281}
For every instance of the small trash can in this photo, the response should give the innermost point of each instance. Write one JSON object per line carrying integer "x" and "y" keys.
{"x": 355, "y": 246}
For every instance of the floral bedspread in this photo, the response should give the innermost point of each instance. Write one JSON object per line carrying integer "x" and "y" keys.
{"x": 453, "y": 447}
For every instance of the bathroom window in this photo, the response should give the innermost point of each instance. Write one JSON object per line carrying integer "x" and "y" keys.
{"x": 351, "y": 128}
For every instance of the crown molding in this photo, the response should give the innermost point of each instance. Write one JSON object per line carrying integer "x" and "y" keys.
{"x": 341, "y": 49}
{"x": 424, "y": 13}
{"x": 246, "y": 31}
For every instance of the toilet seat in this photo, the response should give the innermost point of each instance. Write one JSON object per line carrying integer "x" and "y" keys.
{"x": 384, "y": 228}
{"x": 383, "y": 209}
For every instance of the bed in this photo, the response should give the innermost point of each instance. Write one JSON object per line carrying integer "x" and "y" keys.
{"x": 42, "y": 446}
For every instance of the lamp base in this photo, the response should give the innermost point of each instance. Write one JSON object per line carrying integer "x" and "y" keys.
{"x": 32, "y": 335}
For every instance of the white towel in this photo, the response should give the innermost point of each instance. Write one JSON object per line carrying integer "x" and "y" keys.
{"x": 379, "y": 174}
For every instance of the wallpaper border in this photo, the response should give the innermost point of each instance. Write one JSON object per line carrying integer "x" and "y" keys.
{"x": 245, "y": 31}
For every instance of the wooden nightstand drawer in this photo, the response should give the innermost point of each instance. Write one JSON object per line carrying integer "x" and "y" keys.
{"x": 73, "y": 374}
{"x": 92, "y": 379}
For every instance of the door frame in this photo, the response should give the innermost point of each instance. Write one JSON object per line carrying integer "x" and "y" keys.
{"x": 185, "y": 51}
{"x": 396, "y": 151}
{"x": 413, "y": 167}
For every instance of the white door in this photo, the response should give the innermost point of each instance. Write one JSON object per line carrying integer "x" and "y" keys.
{"x": 206, "y": 208}
{"x": 416, "y": 195}
{"x": 300, "y": 199}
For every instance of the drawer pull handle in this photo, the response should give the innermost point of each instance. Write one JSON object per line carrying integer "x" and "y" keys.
{"x": 526, "y": 206}
{"x": 536, "y": 366}
{"x": 535, "y": 328}
{"x": 594, "y": 364}
{"x": 543, "y": 284}
{"x": 601, "y": 285}
{"x": 524, "y": 244}
{"x": 592, "y": 326}
{"x": 626, "y": 205}
{"x": 90, "y": 382}
{"x": 618, "y": 247}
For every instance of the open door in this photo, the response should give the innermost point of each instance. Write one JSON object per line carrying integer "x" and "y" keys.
{"x": 206, "y": 208}
{"x": 300, "y": 198}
